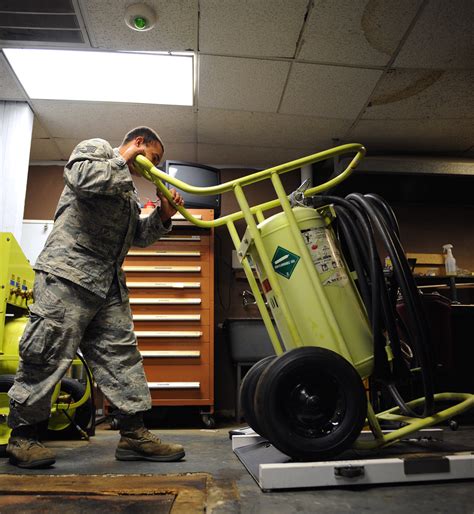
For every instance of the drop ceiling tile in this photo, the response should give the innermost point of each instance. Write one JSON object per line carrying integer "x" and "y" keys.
{"x": 265, "y": 28}
{"x": 356, "y": 32}
{"x": 241, "y": 84}
{"x": 328, "y": 91}
{"x": 430, "y": 135}
{"x": 217, "y": 126}
{"x": 9, "y": 88}
{"x": 83, "y": 120}
{"x": 417, "y": 94}
{"x": 251, "y": 156}
{"x": 175, "y": 30}
{"x": 44, "y": 150}
{"x": 180, "y": 152}
{"x": 38, "y": 130}
{"x": 67, "y": 145}
{"x": 442, "y": 37}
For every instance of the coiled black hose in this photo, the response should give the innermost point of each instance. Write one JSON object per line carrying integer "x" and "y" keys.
{"x": 90, "y": 379}
{"x": 362, "y": 220}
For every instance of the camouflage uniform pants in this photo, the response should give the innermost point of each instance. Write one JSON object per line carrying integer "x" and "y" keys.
{"x": 66, "y": 317}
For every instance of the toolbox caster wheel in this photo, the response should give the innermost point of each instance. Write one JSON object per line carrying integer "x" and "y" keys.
{"x": 114, "y": 424}
{"x": 311, "y": 403}
{"x": 247, "y": 392}
{"x": 453, "y": 425}
{"x": 208, "y": 420}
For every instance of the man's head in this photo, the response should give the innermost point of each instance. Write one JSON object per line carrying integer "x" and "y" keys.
{"x": 144, "y": 141}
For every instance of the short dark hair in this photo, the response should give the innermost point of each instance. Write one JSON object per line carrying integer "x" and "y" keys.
{"x": 148, "y": 134}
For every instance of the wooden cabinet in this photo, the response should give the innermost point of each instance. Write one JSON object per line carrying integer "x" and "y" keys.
{"x": 171, "y": 287}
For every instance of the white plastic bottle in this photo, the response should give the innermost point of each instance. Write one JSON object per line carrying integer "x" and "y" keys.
{"x": 449, "y": 260}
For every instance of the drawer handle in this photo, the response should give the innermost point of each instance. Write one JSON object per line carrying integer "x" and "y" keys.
{"x": 167, "y": 317}
{"x": 177, "y": 217}
{"x": 170, "y": 353}
{"x": 166, "y": 285}
{"x": 165, "y": 301}
{"x": 167, "y": 333}
{"x": 180, "y": 238}
{"x": 165, "y": 269}
{"x": 163, "y": 253}
{"x": 174, "y": 385}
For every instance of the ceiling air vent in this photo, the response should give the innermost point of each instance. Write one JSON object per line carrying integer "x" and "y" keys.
{"x": 41, "y": 23}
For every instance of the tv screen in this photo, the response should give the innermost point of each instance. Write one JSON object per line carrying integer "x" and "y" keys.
{"x": 196, "y": 175}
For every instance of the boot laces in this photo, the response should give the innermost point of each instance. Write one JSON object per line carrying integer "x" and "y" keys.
{"x": 146, "y": 435}
{"x": 30, "y": 443}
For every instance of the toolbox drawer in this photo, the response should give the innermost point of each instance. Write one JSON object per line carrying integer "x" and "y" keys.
{"x": 171, "y": 290}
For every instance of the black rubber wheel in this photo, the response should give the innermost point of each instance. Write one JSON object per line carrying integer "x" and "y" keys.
{"x": 81, "y": 416}
{"x": 247, "y": 392}
{"x": 6, "y": 381}
{"x": 311, "y": 403}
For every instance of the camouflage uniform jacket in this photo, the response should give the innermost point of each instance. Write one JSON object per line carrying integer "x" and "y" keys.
{"x": 97, "y": 220}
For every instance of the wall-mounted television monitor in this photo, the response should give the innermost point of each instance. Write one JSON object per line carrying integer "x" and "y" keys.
{"x": 196, "y": 175}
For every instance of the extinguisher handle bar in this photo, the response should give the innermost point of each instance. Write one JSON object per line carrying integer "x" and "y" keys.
{"x": 151, "y": 173}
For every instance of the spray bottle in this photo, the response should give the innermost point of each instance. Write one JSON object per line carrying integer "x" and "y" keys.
{"x": 449, "y": 260}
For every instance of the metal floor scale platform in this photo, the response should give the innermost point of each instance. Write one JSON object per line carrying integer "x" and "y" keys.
{"x": 424, "y": 457}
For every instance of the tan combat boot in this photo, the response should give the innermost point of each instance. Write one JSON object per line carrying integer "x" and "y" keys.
{"x": 28, "y": 452}
{"x": 141, "y": 444}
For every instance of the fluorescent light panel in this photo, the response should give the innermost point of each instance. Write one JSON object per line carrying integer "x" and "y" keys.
{"x": 104, "y": 76}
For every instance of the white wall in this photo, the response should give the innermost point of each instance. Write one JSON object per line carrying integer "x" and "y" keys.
{"x": 16, "y": 127}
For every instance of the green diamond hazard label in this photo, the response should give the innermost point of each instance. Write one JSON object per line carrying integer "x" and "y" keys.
{"x": 284, "y": 262}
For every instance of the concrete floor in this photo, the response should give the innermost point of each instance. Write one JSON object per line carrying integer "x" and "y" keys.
{"x": 235, "y": 491}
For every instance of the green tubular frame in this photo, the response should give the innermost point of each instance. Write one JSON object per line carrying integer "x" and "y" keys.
{"x": 465, "y": 401}
{"x": 158, "y": 177}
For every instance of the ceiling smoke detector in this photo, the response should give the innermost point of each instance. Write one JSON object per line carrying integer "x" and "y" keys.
{"x": 140, "y": 17}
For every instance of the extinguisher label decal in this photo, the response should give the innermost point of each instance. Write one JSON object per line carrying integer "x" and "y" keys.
{"x": 326, "y": 256}
{"x": 284, "y": 262}
{"x": 338, "y": 278}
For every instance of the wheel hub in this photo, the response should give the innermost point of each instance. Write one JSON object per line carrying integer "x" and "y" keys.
{"x": 314, "y": 408}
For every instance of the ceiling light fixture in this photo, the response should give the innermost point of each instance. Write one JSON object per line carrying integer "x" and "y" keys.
{"x": 140, "y": 17}
{"x": 149, "y": 78}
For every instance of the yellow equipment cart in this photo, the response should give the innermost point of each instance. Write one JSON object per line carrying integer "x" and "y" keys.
{"x": 309, "y": 401}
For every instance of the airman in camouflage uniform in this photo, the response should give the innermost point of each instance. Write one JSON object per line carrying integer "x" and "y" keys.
{"x": 81, "y": 299}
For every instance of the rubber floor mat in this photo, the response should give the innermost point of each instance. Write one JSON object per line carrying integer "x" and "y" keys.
{"x": 60, "y": 504}
{"x": 74, "y": 494}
